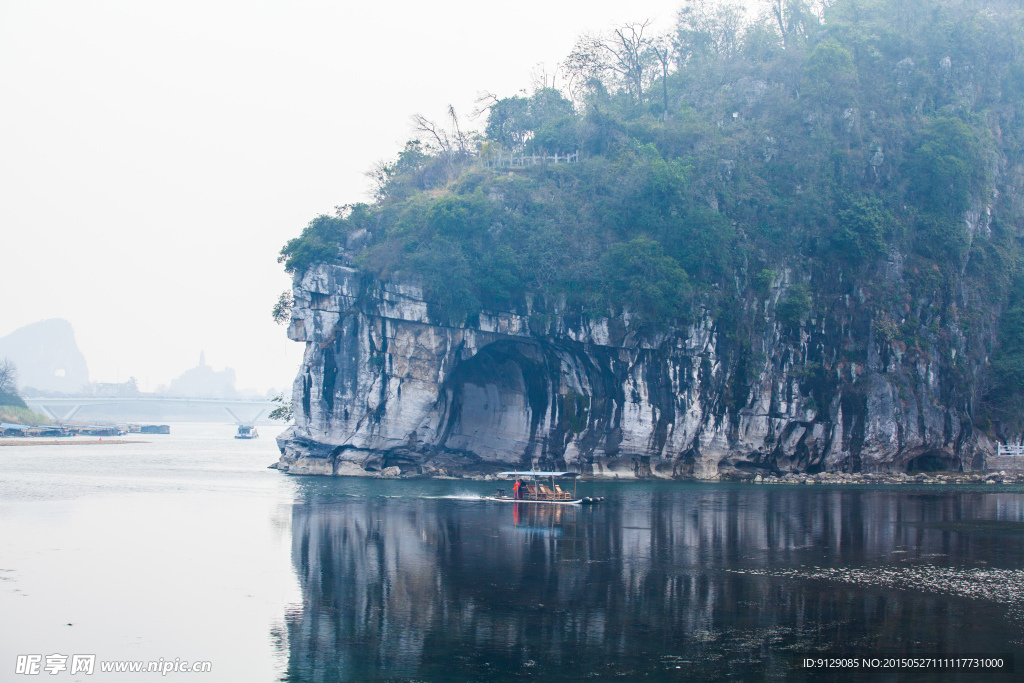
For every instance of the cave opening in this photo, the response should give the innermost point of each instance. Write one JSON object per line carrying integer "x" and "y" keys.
{"x": 496, "y": 400}
{"x": 928, "y": 462}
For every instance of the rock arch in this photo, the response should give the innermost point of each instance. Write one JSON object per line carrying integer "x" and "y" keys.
{"x": 495, "y": 402}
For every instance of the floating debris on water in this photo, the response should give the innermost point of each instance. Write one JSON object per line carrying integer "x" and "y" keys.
{"x": 1003, "y": 586}
{"x": 883, "y": 478}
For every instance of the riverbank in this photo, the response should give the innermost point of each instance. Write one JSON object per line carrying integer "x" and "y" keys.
{"x": 23, "y": 416}
{"x": 64, "y": 442}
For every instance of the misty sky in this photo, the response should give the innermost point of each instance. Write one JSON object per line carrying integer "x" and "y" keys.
{"x": 154, "y": 156}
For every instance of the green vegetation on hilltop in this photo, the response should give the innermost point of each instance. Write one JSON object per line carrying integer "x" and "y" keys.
{"x": 845, "y": 145}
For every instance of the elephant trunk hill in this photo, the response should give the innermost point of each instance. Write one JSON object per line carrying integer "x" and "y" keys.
{"x": 792, "y": 249}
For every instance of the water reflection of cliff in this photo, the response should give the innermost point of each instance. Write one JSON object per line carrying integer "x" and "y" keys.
{"x": 429, "y": 588}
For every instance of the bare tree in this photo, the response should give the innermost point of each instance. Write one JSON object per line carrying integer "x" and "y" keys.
{"x": 484, "y": 101}
{"x": 452, "y": 144}
{"x": 8, "y": 377}
{"x": 623, "y": 56}
{"x": 440, "y": 138}
{"x": 541, "y": 79}
{"x": 631, "y": 55}
{"x": 380, "y": 173}
{"x": 460, "y": 138}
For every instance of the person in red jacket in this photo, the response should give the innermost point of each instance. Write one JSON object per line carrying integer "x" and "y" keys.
{"x": 515, "y": 489}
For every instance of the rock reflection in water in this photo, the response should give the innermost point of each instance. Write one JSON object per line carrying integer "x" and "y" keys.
{"x": 660, "y": 581}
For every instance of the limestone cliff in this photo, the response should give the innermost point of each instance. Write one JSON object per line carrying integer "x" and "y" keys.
{"x": 385, "y": 384}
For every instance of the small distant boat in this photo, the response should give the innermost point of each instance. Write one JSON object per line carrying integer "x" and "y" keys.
{"x": 246, "y": 429}
{"x": 530, "y": 487}
{"x": 247, "y": 432}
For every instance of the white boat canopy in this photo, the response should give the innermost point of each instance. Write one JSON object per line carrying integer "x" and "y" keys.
{"x": 538, "y": 474}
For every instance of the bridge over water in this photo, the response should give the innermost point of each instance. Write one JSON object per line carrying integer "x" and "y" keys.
{"x": 150, "y": 409}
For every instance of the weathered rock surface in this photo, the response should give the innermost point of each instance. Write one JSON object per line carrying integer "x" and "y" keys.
{"x": 384, "y": 385}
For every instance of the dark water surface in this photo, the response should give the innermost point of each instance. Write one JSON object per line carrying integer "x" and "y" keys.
{"x": 187, "y": 546}
{"x": 407, "y": 580}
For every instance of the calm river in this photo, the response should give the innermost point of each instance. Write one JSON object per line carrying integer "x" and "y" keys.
{"x": 187, "y": 547}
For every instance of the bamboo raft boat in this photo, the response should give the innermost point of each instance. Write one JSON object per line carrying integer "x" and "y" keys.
{"x": 529, "y": 487}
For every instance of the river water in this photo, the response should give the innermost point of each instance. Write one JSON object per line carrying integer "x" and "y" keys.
{"x": 188, "y": 547}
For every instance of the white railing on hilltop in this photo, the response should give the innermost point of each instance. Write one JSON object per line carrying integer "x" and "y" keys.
{"x": 532, "y": 159}
{"x": 1016, "y": 450}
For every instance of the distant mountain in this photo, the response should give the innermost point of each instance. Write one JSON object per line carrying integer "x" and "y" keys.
{"x": 47, "y": 356}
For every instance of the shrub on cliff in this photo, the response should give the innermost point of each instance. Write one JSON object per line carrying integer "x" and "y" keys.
{"x": 318, "y": 242}
{"x": 946, "y": 167}
{"x": 797, "y": 305}
{"x": 642, "y": 281}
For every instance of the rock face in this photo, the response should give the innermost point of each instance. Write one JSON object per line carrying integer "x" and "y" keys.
{"x": 384, "y": 384}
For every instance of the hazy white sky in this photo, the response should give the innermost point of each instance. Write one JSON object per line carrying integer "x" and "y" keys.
{"x": 154, "y": 156}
